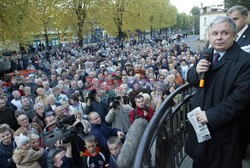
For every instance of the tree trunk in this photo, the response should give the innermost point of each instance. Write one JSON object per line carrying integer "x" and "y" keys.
{"x": 46, "y": 39}
{"x": 80, "y": 37}
{"x": 81, "y": 16}
{"x": 151, "y": 31}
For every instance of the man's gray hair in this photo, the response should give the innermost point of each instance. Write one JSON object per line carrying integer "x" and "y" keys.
{"x": 243, "y": 10}
{"x": 221, "y": 19}
{"x": 38, "y": 105}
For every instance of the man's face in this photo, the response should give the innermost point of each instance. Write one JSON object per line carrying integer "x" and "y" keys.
{"x": 58, "y": 159}
{"x": 221, "y": 36}
{"x": 239, "y": 20}
{"x": 5, "y": 137}
{"x": 23, "y": 120}
{"x": 140, "y": 102}
{"x": 91, "y": 147}
{"x": 25, "y": 102}
{"x": 2, "y": 104}
{"x": 115, "y": 149}
{"x": 16, "y": 95}
{"x": 95, "y": 119}
{"x": 50, "y": 120}
{"x": 60, "y": 111}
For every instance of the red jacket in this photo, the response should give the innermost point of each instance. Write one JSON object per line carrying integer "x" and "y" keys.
{"x": 140, "y": 113}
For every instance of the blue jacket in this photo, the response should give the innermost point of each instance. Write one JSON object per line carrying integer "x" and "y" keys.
{"x": 102, "y": 132}
{"x": 6, "y": 155}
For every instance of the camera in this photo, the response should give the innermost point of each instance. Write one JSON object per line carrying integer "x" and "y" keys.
{"x": 63, "y": 132}
{"x": 114, "y": 102}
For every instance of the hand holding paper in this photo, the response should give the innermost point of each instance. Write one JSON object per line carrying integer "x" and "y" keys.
{"x": 198, "y": 119}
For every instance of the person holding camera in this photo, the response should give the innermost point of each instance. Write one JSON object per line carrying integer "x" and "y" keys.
{"x": 118, "y": 114}
{"x": 60, "y": 157}
{"x": 141, "y": 110}
{"x": 94, "y": 103}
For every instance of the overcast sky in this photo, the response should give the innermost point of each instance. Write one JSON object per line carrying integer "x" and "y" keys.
{"x": 186, "y": 5}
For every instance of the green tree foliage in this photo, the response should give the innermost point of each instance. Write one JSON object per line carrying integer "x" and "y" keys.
{"x": 121, "y": 17}
{"x": 195, "y": 11}
{"x": 22, "y": 20}
{"x": 17, "y": 22}
{"x": 230, "y": 3}
{"x": 183, "y": 22}
{"x": 46, "y": 14}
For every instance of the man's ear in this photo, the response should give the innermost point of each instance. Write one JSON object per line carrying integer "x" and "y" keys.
{"x": 235, "y": 36}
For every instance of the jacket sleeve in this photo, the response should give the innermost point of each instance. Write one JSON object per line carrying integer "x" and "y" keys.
{"x": 150, "y": 114}
{"x": 101, "y": 140}
{"x": 192, "y": 76}
{"x": 110, "y": 116}
{"x": 4, "y": 161}
{"x": 89, "y": 108}
{"x": 132, "y": 116}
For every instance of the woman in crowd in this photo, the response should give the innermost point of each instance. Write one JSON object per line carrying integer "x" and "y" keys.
{"x": 40, "y": 114}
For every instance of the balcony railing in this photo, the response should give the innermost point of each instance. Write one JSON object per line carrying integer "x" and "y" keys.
{"x": 162, "y": 144}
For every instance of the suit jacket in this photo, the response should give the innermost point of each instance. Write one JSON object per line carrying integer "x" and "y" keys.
{"x": 244, "y": 39}
{"x": 226, "y": 93}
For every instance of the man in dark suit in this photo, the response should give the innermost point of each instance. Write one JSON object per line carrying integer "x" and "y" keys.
{"x": 239, "y": 14}
{"x": 222, "y": 99}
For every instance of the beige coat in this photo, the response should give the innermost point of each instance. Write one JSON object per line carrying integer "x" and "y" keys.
{"x": 24, "y": 132}
{"x": 27, "y": 158}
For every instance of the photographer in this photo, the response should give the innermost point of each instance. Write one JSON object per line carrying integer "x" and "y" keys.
{"x": 94, "y": 103}
{"x": 77, "y": 104}
{"x": 141, "y": 110}
{"x": 59, "y": 157}
{"x": 118, "y": 114}
{"x": 66, "y": 131}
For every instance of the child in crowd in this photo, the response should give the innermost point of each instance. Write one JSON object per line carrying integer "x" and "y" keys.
{"x": 24, "y": 155}
{"x": 93, "y": 157}
{"x": 114, "y": 145}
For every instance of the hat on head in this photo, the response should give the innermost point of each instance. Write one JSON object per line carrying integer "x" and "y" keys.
{"x": 21, "y": 140}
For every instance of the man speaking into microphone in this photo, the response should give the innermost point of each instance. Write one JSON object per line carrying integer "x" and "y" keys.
{"x": 225, "y": 93}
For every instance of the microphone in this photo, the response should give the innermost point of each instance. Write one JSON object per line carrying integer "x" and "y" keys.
{"x": 133, "y": 137}
{"x": 206, "y": 55}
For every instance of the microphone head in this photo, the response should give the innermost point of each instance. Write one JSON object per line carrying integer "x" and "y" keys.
{"x": 206, "y": 55}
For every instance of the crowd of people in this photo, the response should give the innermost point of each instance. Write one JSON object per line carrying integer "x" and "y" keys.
{"x": 106, "y": 87}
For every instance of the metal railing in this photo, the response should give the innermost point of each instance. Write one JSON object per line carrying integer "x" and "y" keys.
{"x": 163, "y": 141}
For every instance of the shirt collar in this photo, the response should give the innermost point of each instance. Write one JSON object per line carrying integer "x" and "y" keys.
{"x": 221, "y": 53}
{"x": 241, "y": 32}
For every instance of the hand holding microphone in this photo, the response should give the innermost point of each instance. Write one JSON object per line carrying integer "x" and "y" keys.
{"x": 202, "y": 67}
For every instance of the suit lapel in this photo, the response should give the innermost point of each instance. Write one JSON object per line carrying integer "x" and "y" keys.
{"x": 231, "y": 54}
{"x": 244, "y": 36}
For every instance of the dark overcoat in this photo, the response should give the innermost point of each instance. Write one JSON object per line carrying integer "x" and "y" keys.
{"x": 226, "y": 92}
{"x": 244, "y": 40}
